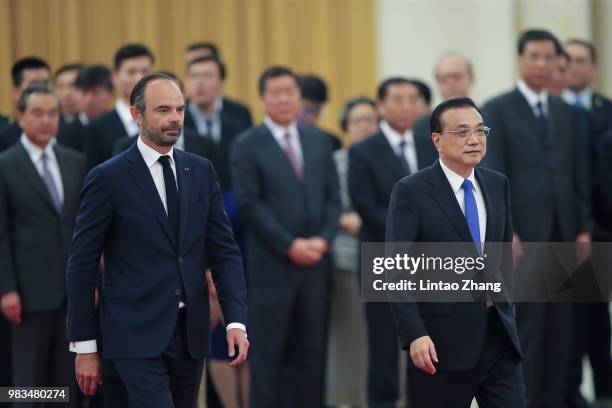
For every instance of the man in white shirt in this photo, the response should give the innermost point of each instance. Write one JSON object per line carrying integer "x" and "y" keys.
{"x": 39, "y": 197}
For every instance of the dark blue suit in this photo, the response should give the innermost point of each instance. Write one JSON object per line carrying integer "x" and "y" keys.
{"x": 146, "y": 267}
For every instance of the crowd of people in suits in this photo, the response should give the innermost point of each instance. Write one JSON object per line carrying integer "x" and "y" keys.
{"x": 301, "y": 200}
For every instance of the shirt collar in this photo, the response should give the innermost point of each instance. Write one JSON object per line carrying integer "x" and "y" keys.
{"x": 124, "y": 113}
{"x": 150, "y": 155}
{"x": 455, "y": 179}
{"x": 532, "y": 97}
{"x": 394, "y": 137}
{"x": 585, "y": 96}
{"x": 278, "y": 131}
{"x": 83, "y": 118}
{"x": 195, "y": 110}
{"x": 36, "y": 152}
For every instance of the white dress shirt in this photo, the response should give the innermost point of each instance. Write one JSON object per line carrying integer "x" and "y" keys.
{"x": 279, "y": 134}
{"x": 35, "y": 154}
{"x": 533, "y": 98}
{"x": 151, "y": 158}
{"x": 83, "y": 118}
{"x": 125, "y": 115}
{"x": 456, "y": 181}
{"x": 586, "y": 97}
{"x": 394, "y": 139}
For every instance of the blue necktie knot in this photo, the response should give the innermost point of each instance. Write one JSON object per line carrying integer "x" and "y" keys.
{"x": 467, "y": 185}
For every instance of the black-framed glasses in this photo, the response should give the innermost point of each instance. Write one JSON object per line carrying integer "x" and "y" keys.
{"x": 464, "y": 133}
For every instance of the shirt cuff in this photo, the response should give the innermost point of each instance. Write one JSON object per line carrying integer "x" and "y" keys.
{"x": 236, "y": 326}
{"x": 83, "y": 347}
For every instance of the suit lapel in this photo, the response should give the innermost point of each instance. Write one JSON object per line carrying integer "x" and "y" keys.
{"x": 442, "y": 193}
{"x": 143, "y": 179}
{"x": 183, "y": 172}
{"x": 29, "y": 172}
{"x": 68, "y": 176}
{"x": 490, "y": 209}
{"x": 387, "y": 155}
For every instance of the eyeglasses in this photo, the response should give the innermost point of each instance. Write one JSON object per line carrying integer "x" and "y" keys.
{"x": 464, "y": 133}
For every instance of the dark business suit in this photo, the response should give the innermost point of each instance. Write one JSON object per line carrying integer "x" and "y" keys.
{"x": 74, "y": 135}
{"x": 148, "y": 269}
{"x": 546, "y": 170}
{"x": 288, "y": 302}
{"x": 374, "y": 168}
{"x": 34, "y": 240}
{"x": 102, "y": 134}
{"x": 238, "y": 111}
{"x": 9, "y": 135}
{"x": 477, "y": 347}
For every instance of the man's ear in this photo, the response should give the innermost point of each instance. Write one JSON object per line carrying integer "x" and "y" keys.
{"x": 435, "y": 138}
{"x": 136, "y": 114}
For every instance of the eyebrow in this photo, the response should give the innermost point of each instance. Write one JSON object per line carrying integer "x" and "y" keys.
{"x": 169, "y": 107}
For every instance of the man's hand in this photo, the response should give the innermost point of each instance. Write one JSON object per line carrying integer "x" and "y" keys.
{"x": 583, "y": 247}
{"x": 422, "y": 352}
{"x": 11, "y": 307}
{"x": 302, "y": 253}
{"x": 88, "y": 372}
{"x": 350, "y": 222}
{"x": 319, "y": 245}
{"x": 517, "y": 251}
{"x": 237, "y": 337}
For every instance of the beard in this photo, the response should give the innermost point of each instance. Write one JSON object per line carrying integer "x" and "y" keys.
{"x": 165, "y": 136}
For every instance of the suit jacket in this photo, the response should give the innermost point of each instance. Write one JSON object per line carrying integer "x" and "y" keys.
{"x": 547, "y": 173}
{"x": 194, "y": 143}
{"x": 74, "y": 135}
{"x": 102, "y": 134}
{"x": 424, "y": 208}
{"x": 605, "y": 166}
{"x": 233, "y": 122}
{"x": 9, "y": 135}
{"x": 34, "y": 237}
{"x": 374, "y": 168}
{"x": 278, "y": 207}
{"x": 122, "y": 215}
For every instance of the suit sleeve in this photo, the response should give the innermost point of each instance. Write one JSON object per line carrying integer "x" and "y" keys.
{"x": 495, "y": 157}
{"x": 402, "y": 226}
{"x": 248, "y": 190}
{"x": 362, "y": 191}
{"x": 92, "y": 226}
{"x": 333, "y": 205}
{"x": 223, "y": 256}
{"x": 8, "y": 282}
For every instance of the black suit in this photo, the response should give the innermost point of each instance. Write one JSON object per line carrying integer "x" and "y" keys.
{"x": 34, "y": 240}
{"x": 9, "y": 135}
{"x": 288, "y": 302}
{"x": 240, "y": 113}
{"x": 102, "y": 134}
{"x": 547, "y": 176}
{"x": 484, "y": 360}
{"x": 374, "y": 168}
{"x": 74, "y": 135}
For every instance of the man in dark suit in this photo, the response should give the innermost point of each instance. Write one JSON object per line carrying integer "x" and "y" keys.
{"x": 375, "y": 165}
{"x": 132, "y": 62}
{"x": 23, "y": 73}
{"x": 453, "y": 201}
{"x": 286, "y": 188}
{"x": 591, "y": 334}
{"x": 534, "y": 141}
{"x": 454, "y": 78}
{"x": 39, "y": 199}
{"x": 64, "y": 86}
{"x": 157, "y": 214}
{"x": 314, "y": 97}
{"x": 96, "y": 95}
{"x": 212, "y": 115}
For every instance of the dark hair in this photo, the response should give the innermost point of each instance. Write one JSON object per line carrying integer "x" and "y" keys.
{"x": 348, "y": 107}
{"x": 130, "y": 51}
{"x": 93, "y": 76}
{"x": 435, "y": 122}
{"x": 205, "y": 45}
{"x": 138, "y": 93}
{"x": 274, "y": 72}
{"x": 34, "y": 88}
{"x": 313, "y": 88}
{"x": 214, "y": 60}
{"x": 26, "y": 63}
{"x": 587, "y": 44}
{"x": 537, "y": 35}
{"x": 67, "y": 68}
{"x": 423, "y": 89}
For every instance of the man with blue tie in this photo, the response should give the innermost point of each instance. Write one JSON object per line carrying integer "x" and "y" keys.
{"x": 458, "y": 351}
{"x": 375, "y": 165}
{"x": 158, "y": 216}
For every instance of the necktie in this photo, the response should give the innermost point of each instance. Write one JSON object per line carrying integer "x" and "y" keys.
{"x": 298, "y": 168}
{"x": 471, "y": 213}
{"x": 50, "y": 183}
{"x": 402, "y": 158}
{"x": 541, "y": 115}
{"x": 172, "y": 197}
{"x": 578, "y": 103}
{"x": 209, "y": 129}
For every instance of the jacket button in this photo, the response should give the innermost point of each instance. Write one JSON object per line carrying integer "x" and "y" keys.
{"x": 177, "y": 292}
{"x": 180, "y": 260}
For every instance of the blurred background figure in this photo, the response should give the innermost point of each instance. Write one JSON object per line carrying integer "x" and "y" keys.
{"x": 347, "y": 375}
{"x": 64, "y": 86}
{"x": 314, "y": 97}
{"x": 559, "y": 81}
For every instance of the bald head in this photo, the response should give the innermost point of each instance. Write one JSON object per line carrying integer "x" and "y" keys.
{"x": 454, "y": 76}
